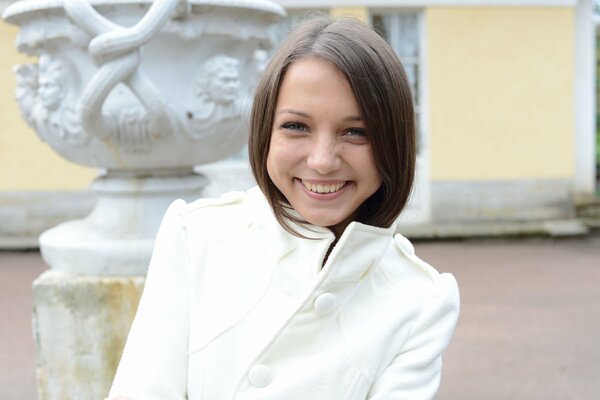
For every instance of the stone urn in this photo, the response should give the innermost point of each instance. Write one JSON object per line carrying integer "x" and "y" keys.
{"x": 142, "y": 90}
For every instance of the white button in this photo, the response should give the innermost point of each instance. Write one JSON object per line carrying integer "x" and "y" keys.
{"x": 260, "y": 376}
{"x": 405, "y": 244}
{"x": 325, "y": 303}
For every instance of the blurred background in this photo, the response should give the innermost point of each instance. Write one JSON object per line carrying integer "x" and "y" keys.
{"x": 506, "y": 99}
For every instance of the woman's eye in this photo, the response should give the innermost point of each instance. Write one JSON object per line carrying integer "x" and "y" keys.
{"x": 295, "y": 126}
{"x": 356, "y": 133}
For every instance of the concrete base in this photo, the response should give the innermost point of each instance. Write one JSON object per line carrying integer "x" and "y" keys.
{"x": 25, "y": 215}
{"x": 509, "y": 201}
{"x": 80, "y": 324}
{"x": 458, "y": 230}
{"x": 588, "y": 210}
{"x": 117, "y": 237}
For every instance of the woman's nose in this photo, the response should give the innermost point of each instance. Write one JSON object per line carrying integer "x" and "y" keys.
{"x": 323, "y": 156}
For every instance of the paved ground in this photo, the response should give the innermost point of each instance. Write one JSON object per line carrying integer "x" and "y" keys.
{"x": 529, "y": 328}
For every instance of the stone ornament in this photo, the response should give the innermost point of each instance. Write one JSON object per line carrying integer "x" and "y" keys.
{"x": 47, "y": 96}
{"x": 220, "y": 101}
{"x": 121, "y": 108}
{"x": 116, "y": 51}
{"x": 143, "y": 90}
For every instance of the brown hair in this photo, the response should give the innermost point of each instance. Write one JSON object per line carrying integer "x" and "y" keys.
{"x": 382, "y": 91}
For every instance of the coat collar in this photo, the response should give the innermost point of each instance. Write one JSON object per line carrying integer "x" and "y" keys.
{"x": 359, "y": 248}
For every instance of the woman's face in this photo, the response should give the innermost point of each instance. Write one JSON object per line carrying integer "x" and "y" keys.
{"x": 320, "y": 157}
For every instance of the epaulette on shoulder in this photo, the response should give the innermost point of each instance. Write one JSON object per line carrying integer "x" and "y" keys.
{"x": 408, "y": 250}
{"x": 225, "y": 199}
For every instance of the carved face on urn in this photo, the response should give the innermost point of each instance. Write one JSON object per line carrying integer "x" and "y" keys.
{"x": 47, "y": 96}
{"x": 53, "y": 81}
{"x": 219, "y": 80}
{"x": 50, "y": 93}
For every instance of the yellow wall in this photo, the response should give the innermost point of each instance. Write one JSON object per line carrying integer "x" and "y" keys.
{"x": 27, "y": 163}
{"x": 500, "y": 97}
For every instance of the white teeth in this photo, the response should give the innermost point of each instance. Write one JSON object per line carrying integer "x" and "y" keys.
{"x": 321, "y": 188}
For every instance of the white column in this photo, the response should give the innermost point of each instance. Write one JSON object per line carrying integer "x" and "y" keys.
{"x": 585, "y": 102}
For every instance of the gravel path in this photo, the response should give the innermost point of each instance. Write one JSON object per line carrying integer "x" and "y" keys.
{"x": 529, "y": 326}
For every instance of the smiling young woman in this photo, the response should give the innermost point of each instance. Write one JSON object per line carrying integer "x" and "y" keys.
{"x": 379, "y": 89}
{"x": 320, "y": 157}
{"x": 299, "y": 289}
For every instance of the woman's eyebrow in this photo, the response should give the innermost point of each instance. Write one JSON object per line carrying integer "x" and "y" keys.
{"x": 292, "y": 111}
{"x": 351, "y": 118}
{"x": 354, "y": 118}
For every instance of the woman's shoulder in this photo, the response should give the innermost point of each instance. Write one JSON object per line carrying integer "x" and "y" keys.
{"x": 216, "y": 218}
{"x": 211, "y": 205}
{"x": 405, "y": 269}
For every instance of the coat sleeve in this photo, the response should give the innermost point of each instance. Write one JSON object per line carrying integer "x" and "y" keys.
{"x": 415, "y": 371}
{"x": 154, "y": 362}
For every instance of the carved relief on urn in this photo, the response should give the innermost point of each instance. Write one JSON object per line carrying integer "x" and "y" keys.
{"x": 140, "y": 84}
{"x": 217, "y": 87}
{"x": 144, "y": 90}
{"x": 47, "y": 96}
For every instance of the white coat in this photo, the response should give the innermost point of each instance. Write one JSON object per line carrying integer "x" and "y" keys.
{"x": 235, "y": 307}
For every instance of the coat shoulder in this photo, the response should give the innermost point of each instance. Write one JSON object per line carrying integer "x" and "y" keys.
{"x": 216, "y": 218}
{"x": 213, "y": 204}
{"x": 405, "y": 269}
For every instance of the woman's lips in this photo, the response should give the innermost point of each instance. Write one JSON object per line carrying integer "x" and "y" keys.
{"x": 323, "y": 190}
{"x": 323, "y": 187}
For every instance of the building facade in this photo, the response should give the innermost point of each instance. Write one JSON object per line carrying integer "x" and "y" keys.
{"x": 504, "y": 93}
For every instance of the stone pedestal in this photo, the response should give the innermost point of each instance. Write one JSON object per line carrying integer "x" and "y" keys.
{"x": 80, "y": 324}
{"x": 143, "y": 90}
{"x": 117, "y": 238}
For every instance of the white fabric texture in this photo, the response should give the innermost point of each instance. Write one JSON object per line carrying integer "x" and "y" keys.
{"x": 235, "y": 307}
